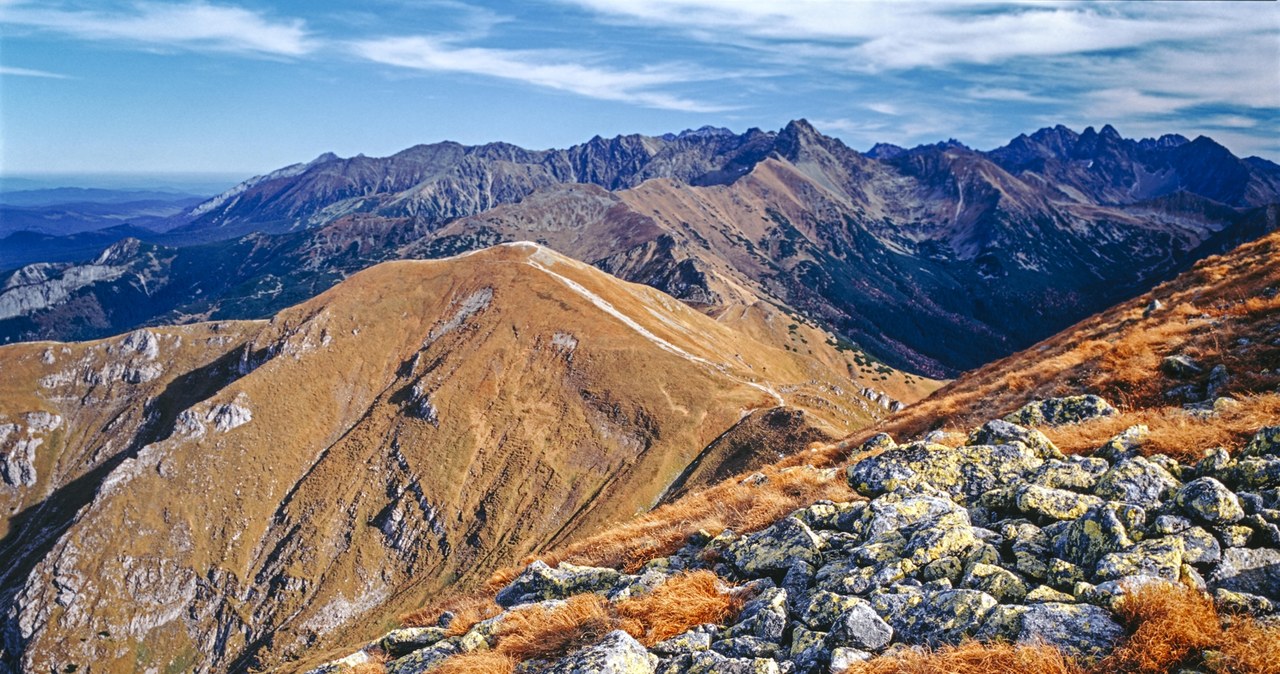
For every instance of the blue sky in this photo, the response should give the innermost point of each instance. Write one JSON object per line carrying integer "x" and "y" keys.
{"x": 246, "y": 86}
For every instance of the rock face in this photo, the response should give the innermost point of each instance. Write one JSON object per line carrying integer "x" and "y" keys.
{"x": 926, "y": 561}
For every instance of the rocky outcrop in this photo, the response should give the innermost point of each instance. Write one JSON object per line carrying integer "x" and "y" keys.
{"x": 990, "y": 542}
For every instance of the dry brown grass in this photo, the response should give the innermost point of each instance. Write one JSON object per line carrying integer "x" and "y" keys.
{"x": 1173, "y": 431}
{"x": 466, "y": 610}
{"x": 682, "y": 602}
{"x": 540, "y": 632}
{"x": 483, "y": 662}
{"x": 973, "y": 658}
{"x": 1169, "y": 623}
{"x": 731, "y": 504}
{"x": 1249, "y": 648}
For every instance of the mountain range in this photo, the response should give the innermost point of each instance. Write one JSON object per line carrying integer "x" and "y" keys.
{"x": 354, "y": 386}
{"x": 937, "y": 258}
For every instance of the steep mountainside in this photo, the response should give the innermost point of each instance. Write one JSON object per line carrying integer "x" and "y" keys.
{"x": 217, "y": 496}
{"x": 1014, "y": 521}
{"x": 938, "y": 258}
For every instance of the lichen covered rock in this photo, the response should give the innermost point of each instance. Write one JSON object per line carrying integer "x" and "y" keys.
{"x": 774, "y": 549}
{"x": 1209, "y": 501}
{"x": 1059, "y": 411}
{"x": 617, "y": 653}
{"x": 963, "y": 472}
{"x": 539, "y": 582}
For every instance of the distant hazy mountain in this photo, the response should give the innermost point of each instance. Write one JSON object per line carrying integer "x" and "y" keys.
{"x": 937, "y": 258}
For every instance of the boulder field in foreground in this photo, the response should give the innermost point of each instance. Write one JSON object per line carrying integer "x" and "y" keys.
{"x": 1001, "y": 539}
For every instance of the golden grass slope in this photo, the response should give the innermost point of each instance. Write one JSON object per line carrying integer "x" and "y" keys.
{"x": 411, "y": 430}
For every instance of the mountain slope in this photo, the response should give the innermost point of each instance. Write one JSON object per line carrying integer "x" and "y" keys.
{"x": 220, "y": 495}
{"x": 1060, "y": 535}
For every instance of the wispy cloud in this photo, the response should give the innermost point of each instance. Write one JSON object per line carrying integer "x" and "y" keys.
{"x": 28, "y": 72}
{"x": 198, "y": 26}
{"x": 552, "y": 69}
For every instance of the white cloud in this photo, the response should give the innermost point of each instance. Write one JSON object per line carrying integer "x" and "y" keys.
{"x": 28, "y": 72}
{"x": 551, "y": 69}
{"x": 197, "y": 26}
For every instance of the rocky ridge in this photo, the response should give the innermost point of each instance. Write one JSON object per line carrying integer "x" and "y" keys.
{"x": 1000, "y": 538}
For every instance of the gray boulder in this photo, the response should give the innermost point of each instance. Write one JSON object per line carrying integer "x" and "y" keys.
{"x": 617, "y": 653}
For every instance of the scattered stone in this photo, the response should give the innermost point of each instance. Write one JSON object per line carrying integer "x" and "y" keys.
{"x": 1125, "y": 445}
{"x": 1000, "y": 432}
{"x": 1138, "y": 481}
{"x": 1158, "y": 557}
{"x": 539, "y": 582}
{"x": 1180, "y": 367}
{"x": 1079, "y": 630}
{"x": 1097, "y": 533}
{"x": 1265, "y": 442}
{"x": 1210, "y": 501}
{"x": 1060, "y": 411}
{"x": 824, "y": 607}
{"x": 1242, "y": 602}
{"x": 963, "y": 472}
{"x": 697, "y": 639}
{"x": 996, "y": 581}
{"x": 774, "y": 549}
{"x": 617, "y": 653}
{"x": 946, "y": 617}
{"x": 401, "y": 642}
{"x": 1054, "y": 504}
{"x": 1077, "y": 472}
{"x": 1255, "y": 571}
{"x": 843, "y": 658}
{"x": 860, "y": 627}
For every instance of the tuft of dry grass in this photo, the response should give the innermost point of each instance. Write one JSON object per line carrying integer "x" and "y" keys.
{"x": 1248, "y": 647}
{"x": 1169, "y": 624}
{"x": 540, "y": 632}
{"x": 467, "y": 611}
{"x": 482, "y": 662}
{"x": 973, "y": 658}
{"x": 743, "y": 506}
{"x": 682, "y": 602}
